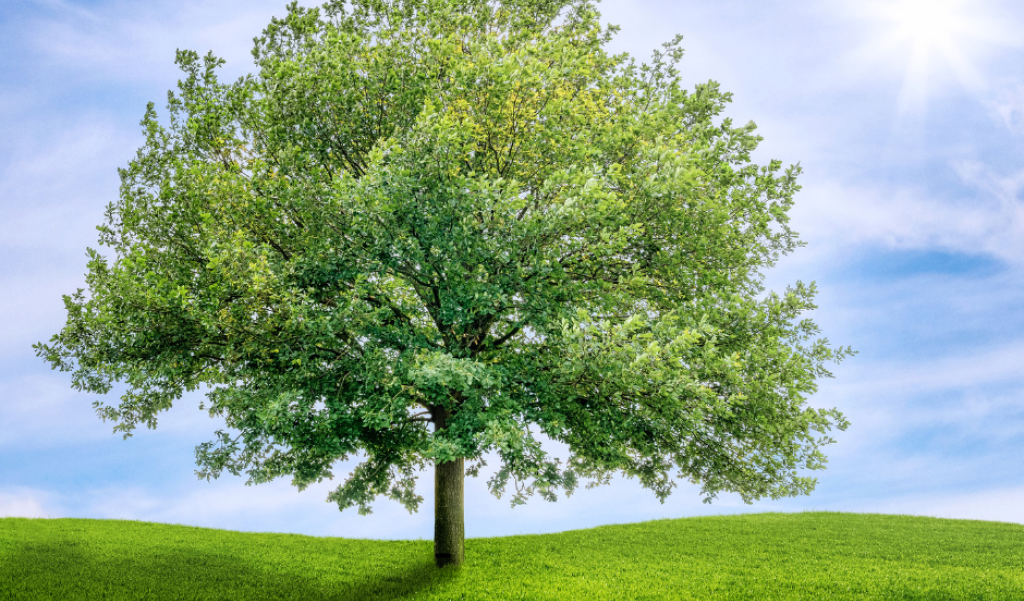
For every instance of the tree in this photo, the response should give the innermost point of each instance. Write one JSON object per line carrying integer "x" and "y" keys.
{"x": 466, "y": 215}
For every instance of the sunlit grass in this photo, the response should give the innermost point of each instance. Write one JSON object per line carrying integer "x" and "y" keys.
{"x": 761, "y": 556}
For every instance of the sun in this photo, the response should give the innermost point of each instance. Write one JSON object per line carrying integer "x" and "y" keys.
{"x": 930, "y": 37}
{"x": 925, "y": 23}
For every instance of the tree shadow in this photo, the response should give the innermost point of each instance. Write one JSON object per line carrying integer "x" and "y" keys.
{"x": 69, "y": 571}
{"x": 402, "y": 584}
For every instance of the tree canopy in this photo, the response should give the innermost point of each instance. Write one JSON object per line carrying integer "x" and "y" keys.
{"x": 466, "y": 214}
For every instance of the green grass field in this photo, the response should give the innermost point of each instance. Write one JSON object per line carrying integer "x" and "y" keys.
{"x": 810, "y": 556}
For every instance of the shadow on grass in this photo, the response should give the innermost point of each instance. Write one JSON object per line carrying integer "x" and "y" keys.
{"x": 403, "y": 584}
{"x": 69, "y": 571}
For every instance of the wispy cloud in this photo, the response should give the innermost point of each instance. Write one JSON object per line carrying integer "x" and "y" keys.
{"x": 53, "y": 190}
{"x": 133, "y": 41}
{"x": 1008, "y": 106}
{"x": 835, "y": 217}
{"x": 69, "y": 10}
{"x": 24, "y": 502}
{"x": 50, "y": 415}
{"x": 226, "y": 504}
{"x": 999, "y": 504}
{"x": 60, "y": 180}
{"x": 931, "y": 374}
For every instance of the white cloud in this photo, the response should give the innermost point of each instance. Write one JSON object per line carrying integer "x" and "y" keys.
{"x": 279, "y": 507}
{"x": 48, "y": 413}
{"x": 834, "y": 218}
{"x": 52, "y": 196}
{"x": 69, "y": 9}
{"x": 25, "y": 502}
{"x": 133, "y": 41}
{"x": 61, "y": 183}
{"x": 36, "y": 312}
{"x": 999, "y": 504}
{"x": 1009, "y": 107}
{"x": 958, "y": 370}
{"x": 45, "y": 412}
{"x": 226, "y": 504}
{"x": 1006, "y": 190}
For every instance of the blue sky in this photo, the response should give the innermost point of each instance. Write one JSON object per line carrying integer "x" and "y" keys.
{"x": 907, "y": 116}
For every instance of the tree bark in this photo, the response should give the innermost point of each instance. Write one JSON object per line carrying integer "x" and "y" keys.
{"x": 449, "y": 502}
{"x": 449, "y": 513}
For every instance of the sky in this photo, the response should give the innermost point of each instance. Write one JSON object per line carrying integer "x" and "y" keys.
{"x": 907, "y": 117}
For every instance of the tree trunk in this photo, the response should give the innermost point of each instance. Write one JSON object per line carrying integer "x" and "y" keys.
{"x": 449, "y": 513}
{"x": 449, "y": 503}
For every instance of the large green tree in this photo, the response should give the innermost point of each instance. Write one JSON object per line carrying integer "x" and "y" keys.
{"x": 428, "y": 232}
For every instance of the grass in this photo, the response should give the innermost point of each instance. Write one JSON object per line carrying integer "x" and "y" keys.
{"x": 812, "y": 556}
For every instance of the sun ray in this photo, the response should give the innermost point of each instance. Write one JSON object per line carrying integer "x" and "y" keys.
{"x": 931, "y": 36}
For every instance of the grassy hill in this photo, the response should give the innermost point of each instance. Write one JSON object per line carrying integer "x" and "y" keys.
{"x": 809, "y": 556}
